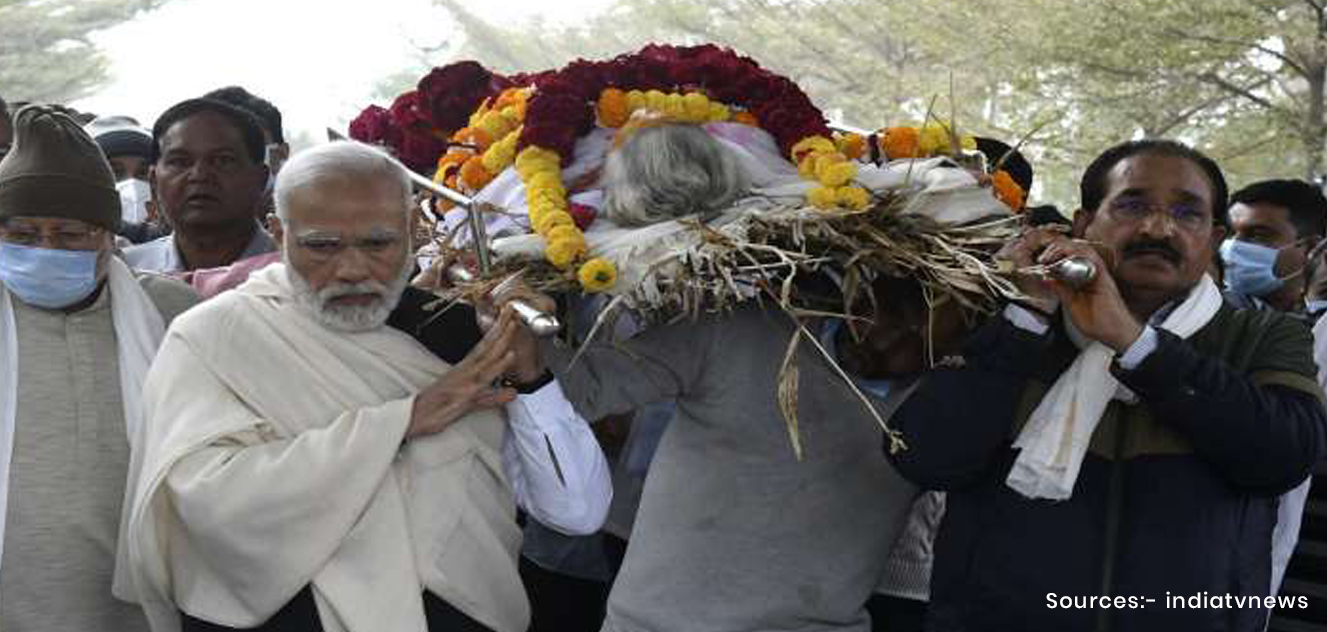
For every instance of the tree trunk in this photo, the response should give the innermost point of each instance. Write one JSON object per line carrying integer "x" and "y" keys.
{"x": 1315, "y": 131}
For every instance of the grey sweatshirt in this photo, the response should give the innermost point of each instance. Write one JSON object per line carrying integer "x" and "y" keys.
{"x": 734, "y": 534}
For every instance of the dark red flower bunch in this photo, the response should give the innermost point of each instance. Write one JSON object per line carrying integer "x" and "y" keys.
{"x": 450, "y": 93}
{"x": 562, "y": 108}
{"x": 375, "y": 126}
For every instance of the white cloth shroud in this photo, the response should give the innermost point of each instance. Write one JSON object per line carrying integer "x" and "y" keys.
{"x": 1055, "y": 439}
{"x": 139, "y": 329}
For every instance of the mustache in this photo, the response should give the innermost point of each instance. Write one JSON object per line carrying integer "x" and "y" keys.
{"x": 1153, "y": 247}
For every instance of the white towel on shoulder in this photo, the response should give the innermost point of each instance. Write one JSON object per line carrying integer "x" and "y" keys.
{"x": 1055, "y": 439}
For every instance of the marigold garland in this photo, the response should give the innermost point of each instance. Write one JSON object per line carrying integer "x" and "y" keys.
{"x": 936, "y": 139}
{"x": 534, "y": 121}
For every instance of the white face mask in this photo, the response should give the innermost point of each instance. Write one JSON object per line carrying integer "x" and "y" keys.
{"x": 134, "y": 196}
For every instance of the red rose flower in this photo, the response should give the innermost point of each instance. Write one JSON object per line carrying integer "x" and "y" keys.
{"x": 582, "y": 215}
{"x": 583, "y": 79}
{"x": 449, "y": 94}
{"x": 420, "y": 152}
{"x": 405, "y": 112}
{"x": 555, "y": 120}
{"x": 375, "y": 126}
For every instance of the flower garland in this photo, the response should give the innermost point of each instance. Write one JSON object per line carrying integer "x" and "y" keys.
{"x": 478, "y": 152}
{"x": 534, "y": 121}
{"x": 936, "y": 139}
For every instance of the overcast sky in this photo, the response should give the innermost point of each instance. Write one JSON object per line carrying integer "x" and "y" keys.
{"x": 316, "y": 60}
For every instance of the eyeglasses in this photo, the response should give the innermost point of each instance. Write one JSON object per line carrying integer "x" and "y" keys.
{"x": 1187, "y": 215}
{"x": 324, "y": 247}
{"x": 62, "y": 238}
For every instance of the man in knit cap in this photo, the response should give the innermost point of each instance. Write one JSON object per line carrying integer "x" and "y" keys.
{"x": 77, "y": 332}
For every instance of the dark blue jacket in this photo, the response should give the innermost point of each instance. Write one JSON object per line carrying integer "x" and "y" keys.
{"x": 1176, "y": 497}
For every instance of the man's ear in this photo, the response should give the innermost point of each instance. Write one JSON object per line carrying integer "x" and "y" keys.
{"x": 1082, "y": 218}
{"x": 1218, "y": 236}
{"x": 277, "y": 229}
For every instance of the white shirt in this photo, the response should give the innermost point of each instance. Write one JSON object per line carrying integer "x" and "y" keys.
{"x": 542, "y": 424}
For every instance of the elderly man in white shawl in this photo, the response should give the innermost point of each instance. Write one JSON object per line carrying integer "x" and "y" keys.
{"x": 306, "y": 466}
{"x": 77, "y": 332}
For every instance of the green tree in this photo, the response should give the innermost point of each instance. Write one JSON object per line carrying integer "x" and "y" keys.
{"x": 46, "y": 53}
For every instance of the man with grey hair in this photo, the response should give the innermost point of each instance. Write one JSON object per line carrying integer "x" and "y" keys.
{"x": 306, "y": 466}
{"x": 666, "y": 171}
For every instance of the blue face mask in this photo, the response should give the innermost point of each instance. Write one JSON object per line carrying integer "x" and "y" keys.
{"x": 1250, "y": 268}
{"x": 46, "y": 277}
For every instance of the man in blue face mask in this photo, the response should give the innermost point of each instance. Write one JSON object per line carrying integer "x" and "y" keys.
{"x": 1273, "y": 225}
{"x": 77, "y": 332}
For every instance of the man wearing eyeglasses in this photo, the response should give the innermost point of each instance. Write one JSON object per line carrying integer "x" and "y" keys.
{"x": 315, "y": 461}
{"x": 1153, "y": 425}
{"x": 77, "y": 332}
{"x": 208, "y": 178}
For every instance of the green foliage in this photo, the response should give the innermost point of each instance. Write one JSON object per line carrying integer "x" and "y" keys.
{"x": 45, "y": 50}
{"x": 1240, "y": 79}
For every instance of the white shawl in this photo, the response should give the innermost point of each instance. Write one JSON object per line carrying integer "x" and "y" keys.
{"x": 139, "y": 328}
{"x": 1055, "y": 439}
{"x": 251, "y": 391}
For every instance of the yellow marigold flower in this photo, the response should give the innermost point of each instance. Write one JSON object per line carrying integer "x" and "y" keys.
{"x": 564, "y": 232}
{"x": 746, "y": 118}
{"x": 822, "y": 197}
{"x": 675, "y": 106}
{"x": 851, "y": 145}
{"x": 597, "y": 275}
{"x": 563, "y": 253}
{"x": 1008, "y": 191}
{"x": 935, "y": 138}
{"x": 855, "y": 198}
{"x": 968, "y": 142}
{"x": 552, "y": 220}
{"x": 807, "y": 167}
{"x": 613, "y": 108}
{"x": 501, "y": 154}
{"x": 533, "y": 159}
{"x": 835, "y": 171}
{"x": 473, "y": 175}
{"x": 636, "y": 100}
{"x": 545, "y": 180}
{"x": 696, "y": 107}
{"x": 900, "y": 142}
{"x": 719, "y": 112}
{"x": 812, "y": 144}
{"x": 656, "y": 100}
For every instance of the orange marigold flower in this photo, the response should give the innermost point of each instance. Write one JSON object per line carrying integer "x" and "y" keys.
{"x": 473, "y": 136}
{"x": 473, "y": 174}
{"x": 901, "y": 142}
{"x": 613, "y": 108}
{"x": 1008, "y": 191}
{"x": 449, "y": 162}
{"x": 851, "y": 145}
{"x": 746, "y": 118}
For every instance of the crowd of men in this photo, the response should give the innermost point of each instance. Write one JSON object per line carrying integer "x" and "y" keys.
{"x": 224, "y": 405}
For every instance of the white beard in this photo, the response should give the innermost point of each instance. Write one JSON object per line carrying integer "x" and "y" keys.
{"x": 349, "y": 318}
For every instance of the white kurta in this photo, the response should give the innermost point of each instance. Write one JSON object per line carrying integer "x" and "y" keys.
{"x": 274, "y": 459}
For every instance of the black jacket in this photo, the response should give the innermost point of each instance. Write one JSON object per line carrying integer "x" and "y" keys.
{"x": 1176, "y": 497}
